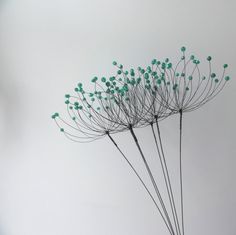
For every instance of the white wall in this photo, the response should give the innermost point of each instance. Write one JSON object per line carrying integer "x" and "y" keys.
{"x": 50, "y": 186}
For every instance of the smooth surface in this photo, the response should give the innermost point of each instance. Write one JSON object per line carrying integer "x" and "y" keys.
{"x": 50, "y": 186}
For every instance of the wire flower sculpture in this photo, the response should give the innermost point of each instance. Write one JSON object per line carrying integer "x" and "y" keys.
{"x": 140, "y": 98}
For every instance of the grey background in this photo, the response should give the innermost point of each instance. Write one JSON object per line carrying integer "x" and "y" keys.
{"x": 50, "y": 186}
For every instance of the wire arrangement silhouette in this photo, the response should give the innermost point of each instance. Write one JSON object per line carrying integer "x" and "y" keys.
{"x": 142, "y": 98}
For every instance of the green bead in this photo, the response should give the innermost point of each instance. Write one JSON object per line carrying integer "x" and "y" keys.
{"x": 62, "y": 130}
{"x": 74, "y": 118}
{"x": 183, "y": 49}
{"x": 158, "y": 62}
{"x": 225, "y": 66}
{"x": 67, "y": 96}
{"x": 98, "y": 108}
{"x": 67, "y": 102}
{"x": 192, "y": 57}
{"x": 80, "y": 107}
{"x": 216, "y": 80}
{"x": 108, "y": 84}
{"x": 53, "y": 116}
{"x": 166, "y": 60}
{"x": 213, "y": 75}
{"x": 169, "y": 66}
{"x": 182, "y": 74}
{"x": 187, "y": 88}
{"x": 71, "y": 107}
{"x": 76, "y": 103}
{"x": 114, "y": 63}
{"x": 190, "y": 78}
{"x": 209, "y": 58}
{"x": 159, "y": 81}
{"x": 119, "y": 72}
{"x": 112, "y": 79}
{"x": 154, "y": 61}
{"x": 80, "y": 84}
{"x": 163, "y": 65}
{"x": 175, "y": 86}
{"x": 146, "y": 75}
{"x": 76, "y": 89}
{"x": 103, "y": 79}
{"x": 203, "y": 78}
{"x": 93, "y": 99}
{"x": 227, "y": 78}
{"x": 94, "y": 79}
{"x": 183, "y": 58}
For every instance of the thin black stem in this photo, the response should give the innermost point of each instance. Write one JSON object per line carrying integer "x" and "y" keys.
{"x": 167, "y": 174}
{"x": 140, "y": 179}
{"x": 152, "y": 178}
{"x": 165, "y": 177}
{"x": 180, "y": 168}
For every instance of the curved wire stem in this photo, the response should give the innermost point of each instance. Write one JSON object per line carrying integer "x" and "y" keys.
{"x": 166, "y": 176}
{"x": 152, "y": 179}
{"x": 180, "y": 169}
{"x": 142, "y": 182}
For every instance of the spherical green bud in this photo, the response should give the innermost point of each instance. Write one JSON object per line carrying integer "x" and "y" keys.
{"x": 114, "y": 63}
{"x": 190, "y": 78}
{"x": 93, "y": 99}
{"x": 108, "y": 84}
{"x": 62, "y": 130}
{"x": 154, "y": 61}
{"x": 182, "y": 57}
{"x": 192, "y": 57}
{"x": 187, "y": 88}
{"x": 169, "y": 66}
{"x": 119, "y": 72}
{"x": 94, "y": 79}
{"x": 67, "y": 96}
{"x": 209, "y": 58}
{"x": 227, "y": 78}
{"x": 76, "y": 89}
{"x": 225, "y": 66}
{"x": 67, "y": 102}
{"x": 216, "y": 80}
{"x": 183, "y": 49}
{"x": 146, "y": 75}
{"x": 80, "y": 84}
{"x": 203, "y": 78}
{"x": 112, "y": 79}
{"x": 103, "y": 79}
{"x": 213, "y": 75}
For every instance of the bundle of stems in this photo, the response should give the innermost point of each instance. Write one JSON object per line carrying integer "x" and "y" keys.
{"x": 142, "y": 98}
